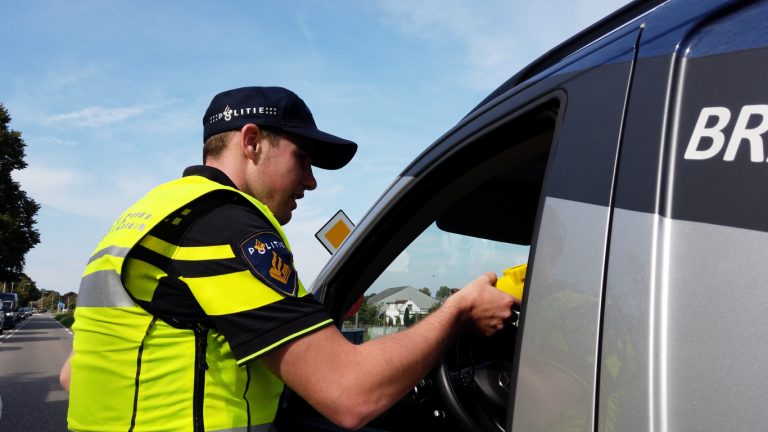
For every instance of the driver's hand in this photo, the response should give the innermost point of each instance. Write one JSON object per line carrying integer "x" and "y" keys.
{"x": 486, "y": 309}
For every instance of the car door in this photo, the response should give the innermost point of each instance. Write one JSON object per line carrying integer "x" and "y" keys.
{"x": 528, "y": 179}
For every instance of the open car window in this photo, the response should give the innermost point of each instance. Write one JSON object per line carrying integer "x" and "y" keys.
{"x": 483, "y": 220}
{"x": 421, "y": 277}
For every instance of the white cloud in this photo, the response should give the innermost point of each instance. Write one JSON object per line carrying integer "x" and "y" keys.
{"x": 97, "y": 116}
{"x": 306, "y": 31}
{"x": 53, "y": 141}
{"x": 499, "y": 37}
{"x": 83, "y": 193}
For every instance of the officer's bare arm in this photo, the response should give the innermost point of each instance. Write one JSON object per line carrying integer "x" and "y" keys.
{"x": 352, "y": 384}
{"x": 66, "y": 372}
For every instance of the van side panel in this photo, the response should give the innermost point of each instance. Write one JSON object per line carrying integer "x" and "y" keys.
{"x": 590, "y": 135}
{"x": 557, "y": 372}
{"x": 686, "y": 290}
{"x": 638, "y": 182}
{"x": 716, "y": 340}
{"x": 557, "y": 375}
{"x": 706, "y": 182}
{"x": 627, "y": 368}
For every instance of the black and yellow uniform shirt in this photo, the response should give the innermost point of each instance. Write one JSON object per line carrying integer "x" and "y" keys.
{"x": 189, "y": 286}
{"x": 253, "y": 258}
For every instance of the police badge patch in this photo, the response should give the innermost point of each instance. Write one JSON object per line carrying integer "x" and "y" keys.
{"x": 271, "y": 261}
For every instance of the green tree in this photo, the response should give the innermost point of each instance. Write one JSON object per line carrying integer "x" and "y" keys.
{"x": 368, "y": 314}
{"x": 17, "y": 211}
{"x": 50, "y": 299}
{"x": 27, "y": 290}
{"x": 407, "y": 318}
{"x": 443, "y": 293}
{"x": 69, "y": 298}
{"x": 426, "y": 291}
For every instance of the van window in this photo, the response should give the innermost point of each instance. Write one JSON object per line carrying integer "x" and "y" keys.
{"x": 421, "y": 277}
{"x": 7, "y": 300}
{"x": 490, "y": 227}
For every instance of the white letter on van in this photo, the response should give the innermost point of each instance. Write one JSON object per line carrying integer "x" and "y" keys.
{"x": 700, "y": 131}
{"x": 741, "y": 132}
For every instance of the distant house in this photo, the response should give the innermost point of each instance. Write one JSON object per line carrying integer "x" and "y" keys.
{"x": 395, "y": 301}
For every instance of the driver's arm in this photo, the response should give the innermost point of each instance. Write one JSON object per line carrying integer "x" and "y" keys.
{"x": 352, "y": 384}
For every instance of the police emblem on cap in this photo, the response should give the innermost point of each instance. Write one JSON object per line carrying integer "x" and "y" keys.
{"x": 271, "y": 261}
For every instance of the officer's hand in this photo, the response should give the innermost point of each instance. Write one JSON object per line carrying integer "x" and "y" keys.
{"x": 485, "y": 308}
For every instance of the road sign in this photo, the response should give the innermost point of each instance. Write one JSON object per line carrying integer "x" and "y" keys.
{"x": 335, "y": 231}
{"x": 61, "y": 305}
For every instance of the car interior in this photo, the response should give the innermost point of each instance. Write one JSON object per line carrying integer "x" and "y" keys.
{"x": 473, "y": 209}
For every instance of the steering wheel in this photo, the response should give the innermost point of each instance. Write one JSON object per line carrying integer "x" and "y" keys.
{"x": 476, "y": 396}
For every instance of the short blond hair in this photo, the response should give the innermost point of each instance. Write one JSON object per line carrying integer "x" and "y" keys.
{"x": 215, "y": 145}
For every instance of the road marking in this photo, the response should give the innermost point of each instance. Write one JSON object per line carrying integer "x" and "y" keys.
{"x": 20, "y": 326}
{"x": 69, "y": 330}
{"x": 56, "y": 395}
{"x": 13, "y": 332}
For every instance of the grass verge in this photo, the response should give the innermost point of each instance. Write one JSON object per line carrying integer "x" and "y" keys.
{"x": 66, "y": 319}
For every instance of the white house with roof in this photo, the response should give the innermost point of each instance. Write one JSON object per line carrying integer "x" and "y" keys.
{"x": 395, "y": 301}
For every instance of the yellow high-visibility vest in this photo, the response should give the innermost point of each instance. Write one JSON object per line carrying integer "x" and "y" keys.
{"x": 134, "y": 372}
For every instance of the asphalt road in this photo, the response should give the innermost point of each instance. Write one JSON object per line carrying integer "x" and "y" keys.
{"x": 31, "y": 357}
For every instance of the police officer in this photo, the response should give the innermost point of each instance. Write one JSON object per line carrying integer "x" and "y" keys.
{"x": 191, "y": 315}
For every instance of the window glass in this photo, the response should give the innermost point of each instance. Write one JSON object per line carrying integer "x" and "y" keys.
{"x": 421, "y": 277}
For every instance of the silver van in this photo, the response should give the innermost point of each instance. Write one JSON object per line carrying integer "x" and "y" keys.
{"x": 625, "y": 167}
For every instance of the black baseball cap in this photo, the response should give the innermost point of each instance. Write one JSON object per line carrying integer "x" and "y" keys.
{"x": 280, "y": 108}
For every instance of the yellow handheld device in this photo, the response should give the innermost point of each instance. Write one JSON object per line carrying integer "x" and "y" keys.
{"x": 513, "y": 281}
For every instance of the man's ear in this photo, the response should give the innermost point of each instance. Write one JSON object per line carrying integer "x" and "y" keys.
{"x": 250, "y": 143}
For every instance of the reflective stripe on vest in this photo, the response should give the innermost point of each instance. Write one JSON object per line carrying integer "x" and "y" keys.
{"x": 103, "y": 288}
{"x": 130, "y": 373}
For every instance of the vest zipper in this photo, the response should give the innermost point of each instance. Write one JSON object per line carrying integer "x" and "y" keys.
{"x": 245, "y": 395}
{"x": 138, "y": 375}
{"x": 201, "y": 365}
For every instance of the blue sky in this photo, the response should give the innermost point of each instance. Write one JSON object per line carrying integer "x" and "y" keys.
{"x": 109, "y": 96}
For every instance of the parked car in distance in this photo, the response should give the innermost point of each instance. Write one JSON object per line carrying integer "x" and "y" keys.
{"x": 10, "y": 309}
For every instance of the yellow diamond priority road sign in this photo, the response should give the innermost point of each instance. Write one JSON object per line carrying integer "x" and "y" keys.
{"x": 335, "y": 231}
